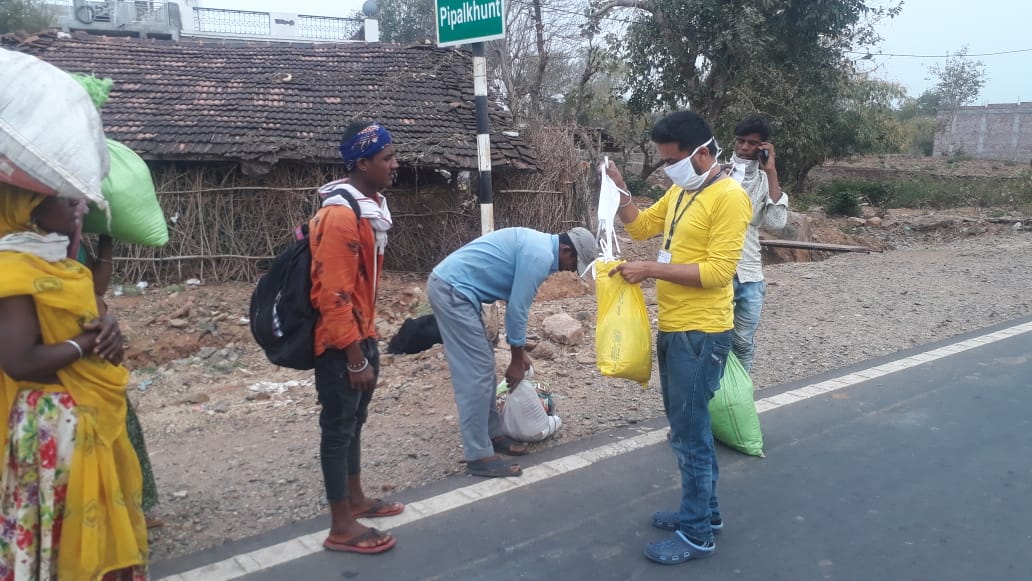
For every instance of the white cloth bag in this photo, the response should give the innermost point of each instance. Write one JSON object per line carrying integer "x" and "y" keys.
{"x": 523, "y": 416}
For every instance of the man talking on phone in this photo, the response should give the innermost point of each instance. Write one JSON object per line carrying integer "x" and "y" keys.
{"x": 752, "y": 166}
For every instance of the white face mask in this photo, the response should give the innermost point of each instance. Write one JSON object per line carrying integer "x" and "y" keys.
{"x": 683, "y": 172}
{"x": 743, "y": 167}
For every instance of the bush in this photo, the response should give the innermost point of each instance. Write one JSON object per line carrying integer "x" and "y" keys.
{"x": 920, "y": 134}
{"x": 640, "y": 187}
{"x": 874, "y": 193}
{"x": 919, "y": 191}
{"x": 916, "y": 190}
{"x": 960, "y": 156}
{"x": 843, "y": 203}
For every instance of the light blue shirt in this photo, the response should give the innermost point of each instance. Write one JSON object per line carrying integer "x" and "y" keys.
{"x": 505, "y": 265}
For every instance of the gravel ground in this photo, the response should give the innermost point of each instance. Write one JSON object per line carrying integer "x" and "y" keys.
{"x": 823, "y": 315}
{"x": 235, "y": 457}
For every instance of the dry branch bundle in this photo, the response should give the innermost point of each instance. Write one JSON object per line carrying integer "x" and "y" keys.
{"x": 224, "y": 225}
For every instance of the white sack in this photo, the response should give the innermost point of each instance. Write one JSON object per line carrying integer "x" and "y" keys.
{"x": 523, "y": 416}
{"x": 51, "y": 137}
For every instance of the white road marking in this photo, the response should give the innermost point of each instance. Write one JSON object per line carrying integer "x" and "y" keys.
{"x": 280, "y": 553}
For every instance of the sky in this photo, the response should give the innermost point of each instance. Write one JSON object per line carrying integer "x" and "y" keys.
{"x": 937, "y": 27}
{"x": 925, "y": 27}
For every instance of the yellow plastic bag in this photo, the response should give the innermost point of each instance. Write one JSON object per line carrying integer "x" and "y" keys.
{"x": 623, "y": 339}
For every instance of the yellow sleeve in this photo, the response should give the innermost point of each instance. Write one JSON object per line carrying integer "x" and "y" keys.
{"x": 650, "y": 222}
{"x": 729, "y": 221}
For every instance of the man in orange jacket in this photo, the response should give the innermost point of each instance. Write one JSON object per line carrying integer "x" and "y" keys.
{"x": 347, "y": 258}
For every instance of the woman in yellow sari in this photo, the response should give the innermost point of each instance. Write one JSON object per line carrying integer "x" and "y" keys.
{"x": 70, "y": 488}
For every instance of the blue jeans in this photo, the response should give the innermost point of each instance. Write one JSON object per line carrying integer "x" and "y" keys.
{"x": 748, "y": 304}
{"x": 471, "y": 360}
{"x": 691, "y": 364}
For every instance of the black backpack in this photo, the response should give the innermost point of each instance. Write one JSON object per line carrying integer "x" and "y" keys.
{"x": 282, "y": 316}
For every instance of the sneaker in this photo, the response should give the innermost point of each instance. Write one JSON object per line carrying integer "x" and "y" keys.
{"x": 667, "y": 520}
{"x": 677, "y": 549}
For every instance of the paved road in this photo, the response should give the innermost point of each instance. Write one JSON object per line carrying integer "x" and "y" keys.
{"x": 922, "y": 474}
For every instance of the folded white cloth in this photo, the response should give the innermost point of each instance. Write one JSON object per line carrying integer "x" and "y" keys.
{"x": 49, "y": 247}
{"x": 378, "y": 214}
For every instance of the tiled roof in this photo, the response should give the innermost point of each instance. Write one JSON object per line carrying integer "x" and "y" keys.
{"x": 264, "y": 102}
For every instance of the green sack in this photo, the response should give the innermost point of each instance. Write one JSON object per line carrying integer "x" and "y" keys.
{"x": 733, "y": 412}
{"x": 136, "y": 216}
{"x": 99, "y": 89}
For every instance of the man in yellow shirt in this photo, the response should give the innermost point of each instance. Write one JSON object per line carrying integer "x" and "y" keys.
{"x": 703, "y": 219}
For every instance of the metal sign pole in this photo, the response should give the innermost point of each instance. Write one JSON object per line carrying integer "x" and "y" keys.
{"x": 483, "y": 139}
{"x": 474, "y": 22}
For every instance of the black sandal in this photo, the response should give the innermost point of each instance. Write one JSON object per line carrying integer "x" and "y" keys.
{"x": 509, "y": 447}
{"x": 496, "y": 468}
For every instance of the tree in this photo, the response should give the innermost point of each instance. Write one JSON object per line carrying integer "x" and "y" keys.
{"x": 787, "y": 59}
{"x": 598, "y": 104}
{"x": 817, "y": 114}
{"x": 927, "y": 104}
{"x": 856, "y": 117}
{"x": 535, "y": 61}
{"x": 959, "y": 80}
{"x": 24, "y": 15}
{"x": 406, "y": 21}
{"x": 695, "y": 52}
{"x": 917, "y": 116}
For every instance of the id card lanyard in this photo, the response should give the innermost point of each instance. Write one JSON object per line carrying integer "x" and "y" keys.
{"x": 665, "y": 255}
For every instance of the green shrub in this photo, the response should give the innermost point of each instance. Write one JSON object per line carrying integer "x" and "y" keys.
{"x": 920, "y": 134}
{"x": 843, "y": 203}
{"x": 640, "y": 187}
{"x": 874, "y": 193}
{"x": 919, "y": 190}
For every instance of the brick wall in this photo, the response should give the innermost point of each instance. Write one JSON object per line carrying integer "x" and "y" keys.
{"x": 997, "y": 131}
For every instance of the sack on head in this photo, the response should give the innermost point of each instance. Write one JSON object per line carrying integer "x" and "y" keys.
{"x": 51, "y": 137}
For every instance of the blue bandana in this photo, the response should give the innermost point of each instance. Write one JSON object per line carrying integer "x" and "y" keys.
{"x": 367, "y": 143}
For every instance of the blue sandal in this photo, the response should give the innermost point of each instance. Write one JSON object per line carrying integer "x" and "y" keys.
{"x": 669, "y": 521}
{"x": 678, "y": 549}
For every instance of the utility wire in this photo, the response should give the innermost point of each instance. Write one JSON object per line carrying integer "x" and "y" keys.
{"x": 938, "y": 56}
{"x": 868, "y": 54}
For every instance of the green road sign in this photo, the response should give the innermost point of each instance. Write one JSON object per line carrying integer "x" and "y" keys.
{"x": 468, "y": 21}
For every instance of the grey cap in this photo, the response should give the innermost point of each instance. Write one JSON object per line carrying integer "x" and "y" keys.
{"x": 586, "y": 246}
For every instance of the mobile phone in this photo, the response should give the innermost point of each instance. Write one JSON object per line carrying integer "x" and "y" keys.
{"x": 764, "y": 156}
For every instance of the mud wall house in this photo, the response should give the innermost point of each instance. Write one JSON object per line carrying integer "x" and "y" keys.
{"x": 239, "y": 135}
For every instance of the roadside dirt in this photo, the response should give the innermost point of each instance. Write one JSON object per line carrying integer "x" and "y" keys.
{"x": 234, "y": 440}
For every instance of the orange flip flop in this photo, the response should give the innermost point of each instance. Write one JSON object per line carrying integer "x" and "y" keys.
{"x": 381, "y": 508}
